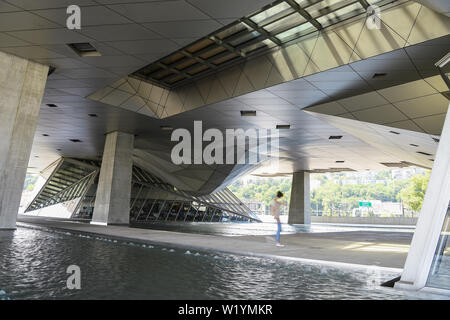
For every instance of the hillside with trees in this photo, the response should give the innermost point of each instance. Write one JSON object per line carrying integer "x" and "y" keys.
{"x": 334, "y": 194}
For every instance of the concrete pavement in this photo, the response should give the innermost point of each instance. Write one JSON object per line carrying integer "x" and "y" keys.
{"x": 371, "y": 248}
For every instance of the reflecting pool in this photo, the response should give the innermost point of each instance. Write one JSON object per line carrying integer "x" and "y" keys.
{"x": 33, "y": 264}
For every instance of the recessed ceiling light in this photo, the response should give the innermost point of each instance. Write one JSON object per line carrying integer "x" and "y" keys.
{"x": 75, "y": 140}
{"x": 283, "y": 126}
{"x": 166, "y": 128}
{"x": 84, "y": 49}
{"x": 379, "y": 75}
{"x": 51, "y": 105}
{"x": 394, "y": 132}
{"x": 335, "y": 137}
{"x": 248, "y": 113}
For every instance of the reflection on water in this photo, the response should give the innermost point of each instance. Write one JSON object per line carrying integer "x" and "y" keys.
{"x": 33, "y": 265}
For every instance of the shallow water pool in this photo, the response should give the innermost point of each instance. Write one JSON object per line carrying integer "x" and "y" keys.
{"x": 33, "y": 264}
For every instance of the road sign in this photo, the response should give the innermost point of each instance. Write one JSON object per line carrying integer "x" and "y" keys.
{"x": 365, "y": 204}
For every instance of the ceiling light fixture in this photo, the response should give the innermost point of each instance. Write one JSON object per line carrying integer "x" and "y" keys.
{"x": 84, "y": 49}
{"x": 283, "y": 126}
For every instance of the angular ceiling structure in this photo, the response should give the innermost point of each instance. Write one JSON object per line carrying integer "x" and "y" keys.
{"x": 315, "y": 68}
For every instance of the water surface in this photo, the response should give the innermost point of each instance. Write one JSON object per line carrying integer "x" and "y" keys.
{"x": 33, "y": 263}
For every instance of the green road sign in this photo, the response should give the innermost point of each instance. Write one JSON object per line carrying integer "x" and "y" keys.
{"x": 365, "y": 204}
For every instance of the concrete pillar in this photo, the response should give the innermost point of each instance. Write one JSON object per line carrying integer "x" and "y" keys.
{"x": 300, "y": 205}
{"x": 22, "y": 85}
{"x": 112, "y": 202}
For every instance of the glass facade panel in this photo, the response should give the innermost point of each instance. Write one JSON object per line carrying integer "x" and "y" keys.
{"x": 325, "y": 7}
{"x": 341, "y": 14}
{"x": 176, "y": 207}
{"x": 273, "y": 13}
{"x": 200, "y": 214}
{"x": 296, "y": 32}
{"x": 285, "y": 23}
{"x": 439, "y": 276}
{"x": 191, "y": 214}
{"x": 165, "y": 210}
{"x": 154, "y": 211}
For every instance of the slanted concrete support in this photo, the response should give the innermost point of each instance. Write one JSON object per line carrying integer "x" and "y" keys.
{"x": 300, "y": 205}
{"x": 22, "y": 85}
{"x": 431, "y": 218}
{"x": 112, "y": 202}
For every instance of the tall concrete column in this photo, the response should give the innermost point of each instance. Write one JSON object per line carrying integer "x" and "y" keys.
{"x": 22, "y": 85}
{"x": 300, "y": 205}
{"x": 112, "y": 202}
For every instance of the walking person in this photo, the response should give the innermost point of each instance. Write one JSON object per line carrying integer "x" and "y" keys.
{"x": 275, "y": 209}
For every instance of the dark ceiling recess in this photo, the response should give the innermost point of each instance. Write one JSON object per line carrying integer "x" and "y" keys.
{"x": 273, "y": 26}
{"x": 283, "y": 126}
{"x": 413, "y": 145}
{"x": 75, "y": 140}
{"x": 248, "y": 113}
{"x": 394, "y": 132}
{"x": 50, "y": 70}
{"x": 424, "y": 153}
{"x": 402, "y": 164}
{"x": 84, "y": 49}
{"x": 340, "y": 161}
{"x": 379, "y": 75}
{"x": 45, "y": 135}
{"x": 436, "y": 140}
{"x": 93, "y": 115}
{"x": 335, "y": 137}
{"x": 446, "y": 94}
{"x": 51, "y": 105}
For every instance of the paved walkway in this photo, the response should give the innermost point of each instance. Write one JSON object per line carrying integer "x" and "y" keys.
{"x": 373, "y": 248}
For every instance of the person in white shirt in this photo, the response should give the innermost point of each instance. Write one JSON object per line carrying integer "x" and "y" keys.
{"x": 275, "y": 209}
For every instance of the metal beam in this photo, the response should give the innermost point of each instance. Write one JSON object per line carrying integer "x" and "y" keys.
{"x": 304, "y": 14}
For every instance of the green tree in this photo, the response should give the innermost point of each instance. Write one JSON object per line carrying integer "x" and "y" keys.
{"x": 413, "y": 194}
